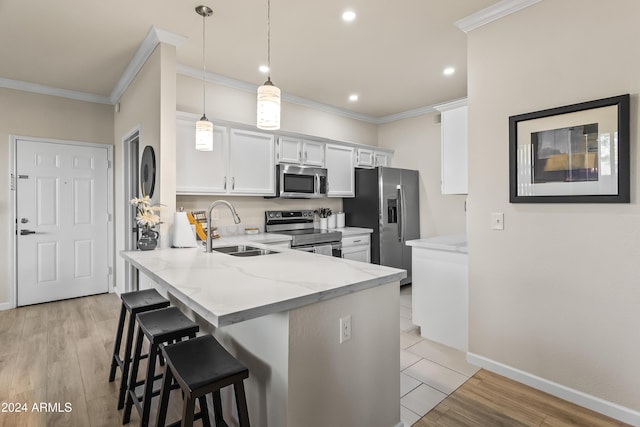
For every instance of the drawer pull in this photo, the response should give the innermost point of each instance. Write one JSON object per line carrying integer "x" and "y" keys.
{"x": 357, "y": 241}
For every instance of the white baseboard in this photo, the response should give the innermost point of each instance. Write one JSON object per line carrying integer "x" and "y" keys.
{"x": 585, "y": 400}
{"x": 5, "y": 306}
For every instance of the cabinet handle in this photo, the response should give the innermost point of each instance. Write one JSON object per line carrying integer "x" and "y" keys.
{"x": 305, "y": 157}
{"x": 357, "y": 241}
{"x": 233, "y": 183}
{"x": 225, "y": 182}
{"x": 300, "y": 155}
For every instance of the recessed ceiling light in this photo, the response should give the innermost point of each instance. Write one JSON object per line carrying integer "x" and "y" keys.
{"x": 264, "y": 69}
{"x": 353, "y": 97}
{"x": 348, "y": 16}
{"x": 449, "y": 71}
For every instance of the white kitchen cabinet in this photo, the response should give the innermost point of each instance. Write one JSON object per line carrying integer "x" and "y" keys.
{"x": 241, "y": 163}
{"x": 340, "y": 170}
{"x": 365, "y": 158}
{"x": 439, "y": 289}
{"x": 369, "y": 158}
{"x": 299, "y": 151}
{"x": 251, "y": 163}
{"x": 357, "y": 247}
{"x": 381, "y": 158}
{"x": 454, "y": 146}
{"x": 200, "y": 172}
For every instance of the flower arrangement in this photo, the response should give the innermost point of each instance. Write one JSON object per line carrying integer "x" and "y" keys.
{"x": 146, "y": 212}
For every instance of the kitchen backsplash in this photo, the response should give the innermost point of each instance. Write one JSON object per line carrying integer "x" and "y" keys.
{"x": 251, "y": 209}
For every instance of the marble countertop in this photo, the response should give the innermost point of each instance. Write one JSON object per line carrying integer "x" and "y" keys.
{"x": 228, "y": 289}
{"x": 453, "y": 243}
{"x": 350, "y": 231}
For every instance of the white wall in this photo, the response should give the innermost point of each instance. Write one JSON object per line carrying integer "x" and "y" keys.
{"x": 416, "y": 142}
{"x": 30, "y": 114}
{"x": 224, "y": 103}
{"x": 148, "y": 104}
{"x": 556, "y": 294}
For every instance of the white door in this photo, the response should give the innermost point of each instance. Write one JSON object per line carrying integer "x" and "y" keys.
{"x": 62, "y": 221}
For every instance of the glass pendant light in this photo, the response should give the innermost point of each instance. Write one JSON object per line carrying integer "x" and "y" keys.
{"x": 268, "y": 94}
{"x": 204, "y": 128}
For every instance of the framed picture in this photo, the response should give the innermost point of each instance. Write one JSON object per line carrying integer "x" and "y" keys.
{"x": 573, "y": 154}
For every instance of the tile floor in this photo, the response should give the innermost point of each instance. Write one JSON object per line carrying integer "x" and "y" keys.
{"x": 429, "y": 371}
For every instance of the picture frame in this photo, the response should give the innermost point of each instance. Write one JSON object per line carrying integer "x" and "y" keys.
{"x": 577, "y": 153}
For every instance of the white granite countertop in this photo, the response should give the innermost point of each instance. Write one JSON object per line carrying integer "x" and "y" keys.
{"x": 226, "y": 289}
{"x": 266, "y": 238}
{"x": 350, "y": 231}
{"x": 453, "y": 243}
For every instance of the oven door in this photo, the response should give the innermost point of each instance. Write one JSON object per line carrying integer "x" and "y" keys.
{"x": 336, "y": 249}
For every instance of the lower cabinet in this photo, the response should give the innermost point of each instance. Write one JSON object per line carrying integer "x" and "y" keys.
{"x": 357, "y": 247}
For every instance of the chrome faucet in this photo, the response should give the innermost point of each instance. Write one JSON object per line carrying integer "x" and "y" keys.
{"x": 236, "y": 219}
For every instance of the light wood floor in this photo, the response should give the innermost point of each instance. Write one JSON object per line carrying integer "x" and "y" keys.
{"x": 60, "y": 352}
{"x": 488, "y": 399}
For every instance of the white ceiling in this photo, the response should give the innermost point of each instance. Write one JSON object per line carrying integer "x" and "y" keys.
{"x": 392, "y": 55}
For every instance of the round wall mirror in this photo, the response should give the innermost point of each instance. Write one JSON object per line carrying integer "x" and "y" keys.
{"x": 148, "y": 171}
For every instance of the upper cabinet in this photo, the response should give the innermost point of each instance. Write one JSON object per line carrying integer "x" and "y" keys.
{"x": 340, "y": 171}
{"x": 251, "y": 164}
{"x": 371, "y": 158}
{"x": 454, "y": 146}
{"x": 299, "y": 151}
{"x": 241, "y": 163}
{"x": 200, "y": 172}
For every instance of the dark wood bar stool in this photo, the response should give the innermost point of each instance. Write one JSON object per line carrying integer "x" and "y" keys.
{"x": 202, "y": 366}
{"x": 133, "y": 303}
{"x": 165, "y": 325}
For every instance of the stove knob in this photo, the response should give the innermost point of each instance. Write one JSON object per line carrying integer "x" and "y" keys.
{"x": 270, "y": 214}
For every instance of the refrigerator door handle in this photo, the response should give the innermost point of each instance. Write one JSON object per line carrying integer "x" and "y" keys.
{"x": 400, "y": 219}
{"x": 402, "y": 216}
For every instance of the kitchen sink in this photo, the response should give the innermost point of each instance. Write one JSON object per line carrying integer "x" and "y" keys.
{"x": 243, "y": 250}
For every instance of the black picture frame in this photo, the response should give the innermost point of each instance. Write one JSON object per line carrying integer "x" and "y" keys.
{"x": 148, "y": 171}
{"x": 577, "y": 153}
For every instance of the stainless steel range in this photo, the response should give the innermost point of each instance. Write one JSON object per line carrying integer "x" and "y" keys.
{"x": 299, "y": 225}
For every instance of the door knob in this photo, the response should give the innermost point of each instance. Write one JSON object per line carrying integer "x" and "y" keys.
{"x": 25, "y": 232}
{"x": 24, "y": 220}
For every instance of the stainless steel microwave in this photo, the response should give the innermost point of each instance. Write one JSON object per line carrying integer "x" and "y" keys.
{"x": 301, "y": 182}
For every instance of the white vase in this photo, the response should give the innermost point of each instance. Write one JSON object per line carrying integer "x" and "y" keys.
{"x": 323, "y": 223}
{"x": 331, "y": 221}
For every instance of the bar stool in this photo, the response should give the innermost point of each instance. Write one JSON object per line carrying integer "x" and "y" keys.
{"x": 158, "y": 326}
{"x": 133, "y": 303}
{"x": 202, "y": 366}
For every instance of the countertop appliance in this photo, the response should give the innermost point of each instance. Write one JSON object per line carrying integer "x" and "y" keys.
{"x": 301, "y": 182}
{"x": 304, "y": 237}
{"x": 387, "y": 200}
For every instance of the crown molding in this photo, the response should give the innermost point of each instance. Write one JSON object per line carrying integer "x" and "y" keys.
{"x": 53, "y": 91}
{"x": 154, "y": 37}
{"x": 451, "y": 105}
{"x": 493, "y": 13}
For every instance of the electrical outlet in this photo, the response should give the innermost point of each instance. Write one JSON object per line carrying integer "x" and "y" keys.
{"x": 497, "y": 221}
{"x": 215, "y": 215}
{"x": 345, "y": 328}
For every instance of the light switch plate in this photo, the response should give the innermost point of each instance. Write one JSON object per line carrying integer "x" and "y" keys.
{"x": 497, "y": 220}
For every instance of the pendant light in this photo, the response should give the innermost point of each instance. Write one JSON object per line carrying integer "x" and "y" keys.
{"x": 204, "y": 128}
{"x": 268, "y": 94}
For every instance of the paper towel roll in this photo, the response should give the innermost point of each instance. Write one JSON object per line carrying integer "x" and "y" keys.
{"x": 183, "y": 235}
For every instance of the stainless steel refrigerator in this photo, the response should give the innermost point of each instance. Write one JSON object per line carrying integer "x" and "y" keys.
{"x": 387, "y": 201}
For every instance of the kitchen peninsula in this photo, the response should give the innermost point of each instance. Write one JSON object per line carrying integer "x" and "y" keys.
{"x": 280, "y": 314}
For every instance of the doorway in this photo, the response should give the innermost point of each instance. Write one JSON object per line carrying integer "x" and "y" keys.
{"x": 131, "y": 154}
{"x": 63, "y": 221}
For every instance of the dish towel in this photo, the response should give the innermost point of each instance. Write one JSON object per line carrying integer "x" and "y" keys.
{"x": 323, "y": 250}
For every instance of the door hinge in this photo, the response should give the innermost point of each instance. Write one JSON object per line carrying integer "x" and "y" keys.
{"x": 12, "y": 182}
{"x": 109, "y": 164}
{"x": 110, "y": 272}
{"x": 109, "y": 217}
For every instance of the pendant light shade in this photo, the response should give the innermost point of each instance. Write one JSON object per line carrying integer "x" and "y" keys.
{"x": 204, "y": 128}
{"x": 268, "y": 106}
{"x": 204, "y": 134}
{"x": 268, "y": 116}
